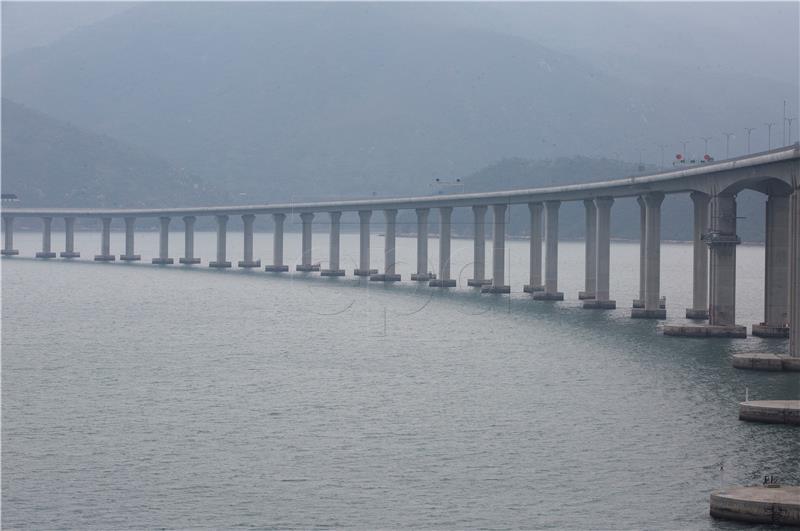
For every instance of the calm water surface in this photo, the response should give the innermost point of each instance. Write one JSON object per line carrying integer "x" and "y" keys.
{"x": 144, "y": 396}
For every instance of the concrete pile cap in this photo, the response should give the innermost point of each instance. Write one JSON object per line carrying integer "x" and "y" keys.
{"x": 758, "y": 504}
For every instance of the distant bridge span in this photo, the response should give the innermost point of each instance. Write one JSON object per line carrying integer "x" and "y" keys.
{"x": 712, "y": 186}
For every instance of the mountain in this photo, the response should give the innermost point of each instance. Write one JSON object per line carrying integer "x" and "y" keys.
{"x": 282, "y": 101}
{"x": 47, "y": 162}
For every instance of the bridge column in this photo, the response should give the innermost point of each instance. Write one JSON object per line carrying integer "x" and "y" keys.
{"x": 389, "y": 238}
{"x": 129, "y": 255}
{"x": 498, "y": 252}
{"x": 105, "y": 242}
{"x": 306, "y": 265}
{"x": 422, "y": 274}
{"x": 639, "y": 303}
{"x": 277, "y": 245}
{"x": 222, "y": 244}
{"x": 652, "y": 247}
{"x": 602, "y": 250}
{"x": 163, "y": 243}
{"x": 247, "y": 220}
{"x": 69, "y": 239}
{"x": 722, "y": 242}
{"x": 794, "y": 273}
{"x": 479, "y": 248}
{"x": 590, "y": 267}
{"x": 699, "y": 309}
{"x": 444, "y": 280}
{"x": 550, "y": 292}
{"x": 47, "y": 226}
{"x": 333, "y": 252}
{"x": 188, "y": 242}
{"x": 535, "y": 249}
{"x": 8, "y": 244}
{"x": 776, "y": 277}
{"x": 364, "y": 235}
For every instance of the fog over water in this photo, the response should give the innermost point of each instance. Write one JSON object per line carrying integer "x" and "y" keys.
{"x": 144, "y": 396}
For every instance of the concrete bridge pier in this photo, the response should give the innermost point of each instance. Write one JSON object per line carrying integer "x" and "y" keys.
{"x": 163, "y": 243}
{"x": 69, "y": 239}
{"x": 333, "y": 252}
{"x": 535, "y": 281}
{"x": 479, "y": 248}
{"x": 47, "y": 227}
{"x": 699, "y": 309}
{"x": 222, "y": 227}
{"x": 305, "y": 264}
{"x": 498, "y": 251}
{"x": 105, "y": 242}
{"x": 129, "y": 255}
{"x": 422, "y": 274}
{"x": 277, "y": 245}
{"x": 363, "y": 245}
{"x": 188, "y": 242}
{"x": 602, "y": 300}
{"x": 389, "y": 238}
{"x": 591, "y": 251}
{"x": 444, "y": 280}
{"x": 8, "y": 244}
{"x": 639, "y": 303}
{"x": 247, "y": 221}
{"x": 652, "y": 275}
{"x": 776, "y": 276}
{"x": 550, "y": 292}
{"x": 794, "y": 273}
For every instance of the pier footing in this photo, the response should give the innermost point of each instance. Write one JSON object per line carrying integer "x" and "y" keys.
{"x": 384, "y": 278}
{"x": 641, "y": 313}
{"x": 771, "y": 411}
{"x": 735, "y": 331}
{"x": 764, "y": 330}
{"x": 276, "y": 268}
{"x": 545, "y": 296}
{"x": 332, "y": 273}
{"x": 593, "y": 304}
{"x": 104, "y": 258}
{"x": 436, "y": 283}
{"x": 585, "y": 296}
{"x": 638, "y": 303}
{"x": 496, "y": 289}
{"x": 130, "y": 257}
{"x": 528, "y": 288}
{"x": 771, "y": 504}
{"x": 365, "y": 272}
{"x": 765, "y": 361}
{"x": 306, "y": 268}
{"x": 69, "y": 254}
{"x": 188, "y": 261}
{"x": 219, "y": 265}
{"x": 9, "y": 252}
{"x": 163, "y": 261}
{"x": 247, "y": 265}
{"x": 423, "y": 278}
{"x": 479, "y": 283}
{"x": 697, "y": 315}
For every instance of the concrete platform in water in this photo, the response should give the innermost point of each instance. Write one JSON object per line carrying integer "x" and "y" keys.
{"x": 764, "y": 361}
{"x": 771, "y": 411}
{"x": 773, "y": 504}
{"x": 705, "y": 331}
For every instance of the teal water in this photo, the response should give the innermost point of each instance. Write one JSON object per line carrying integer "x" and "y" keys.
{"x": 144, "y": 396}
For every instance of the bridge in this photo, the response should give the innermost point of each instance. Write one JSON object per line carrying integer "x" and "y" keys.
{"x": 713, "y": 188}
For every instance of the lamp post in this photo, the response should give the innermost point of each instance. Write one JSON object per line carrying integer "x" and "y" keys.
{"x": 705, "y": 140}
{"x": 728, "y": 144}
{"x": 769, "y": 134}
{"x": 789, "y": 121}
{"x": 685, "y": 143}
{"x": 749, "y": 130}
